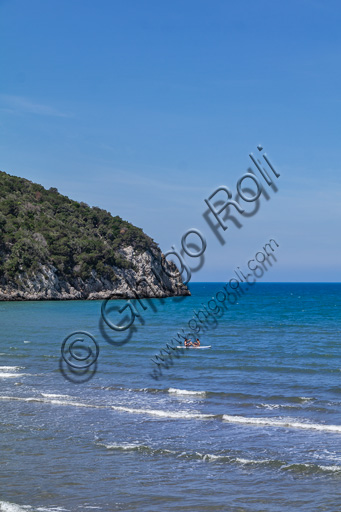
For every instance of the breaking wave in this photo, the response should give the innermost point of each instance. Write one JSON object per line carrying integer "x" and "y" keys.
{"x": 284, "y": 423}
{"x": 222, "y": 458}
{"x": 186, "y": 392}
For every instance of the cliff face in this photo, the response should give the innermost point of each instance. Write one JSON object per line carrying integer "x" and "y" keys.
{"x": 141, "y": 282}
{"x": 54, "y": 248}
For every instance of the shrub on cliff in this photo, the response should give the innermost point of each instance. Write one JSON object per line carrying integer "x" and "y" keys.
{"x": 43, "y": 226}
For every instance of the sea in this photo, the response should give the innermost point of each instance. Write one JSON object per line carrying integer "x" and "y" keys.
{"x": 252, "y": 424}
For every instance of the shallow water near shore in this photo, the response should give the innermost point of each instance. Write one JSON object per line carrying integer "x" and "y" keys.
{"x": 253, "y": 424}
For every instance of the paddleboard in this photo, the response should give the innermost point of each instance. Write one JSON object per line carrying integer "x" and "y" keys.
{"x": 201, "y": 346}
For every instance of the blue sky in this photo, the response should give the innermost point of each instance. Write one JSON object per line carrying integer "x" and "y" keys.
{"x": 145, "y": 107}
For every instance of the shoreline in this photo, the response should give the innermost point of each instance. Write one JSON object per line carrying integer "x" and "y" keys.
{"x": 95, "y": 296}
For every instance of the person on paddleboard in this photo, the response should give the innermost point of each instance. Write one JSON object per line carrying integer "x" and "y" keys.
{"x": 189, "y": 343}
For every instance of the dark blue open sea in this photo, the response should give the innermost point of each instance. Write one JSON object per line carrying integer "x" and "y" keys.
{"x": 252, "y": 424}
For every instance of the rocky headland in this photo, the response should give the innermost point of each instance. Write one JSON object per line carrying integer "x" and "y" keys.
{"x": 53, "y": 248}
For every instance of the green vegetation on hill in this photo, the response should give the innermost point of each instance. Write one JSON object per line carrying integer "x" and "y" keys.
{"x": 39, "y": 226}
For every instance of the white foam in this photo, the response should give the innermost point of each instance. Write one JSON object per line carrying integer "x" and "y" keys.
{"x": 268, "y": 406}
{"x": 164, "y": 414}
{"x": 331, "y": 468}
{"x": 51, "y": 395}
{"x": 11, "y": 368}
{"x": 209, "y": 457}
{"x": 186, "y": 392}
{"x": 182, "y": 454}
{"x": 309, "y": 466}
{"x": 52, "y": 401}
{"x": 67, "y": 402}
{"x": 11, "y": 375}
{"x": 51, "y": 509}
{"x": 5, "y": 506}
{"x": 7, "y": 372}
{"x": 123, "y": 446}
{"x": 271, "y": 422}
{"x": 27, "y": 341}
{"x": 139, "y": 447}
{"x": 252, "y": 461}
{"x": 153, "y": 412}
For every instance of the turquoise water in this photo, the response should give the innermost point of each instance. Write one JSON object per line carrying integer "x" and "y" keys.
{"x": 253, "y": 424}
